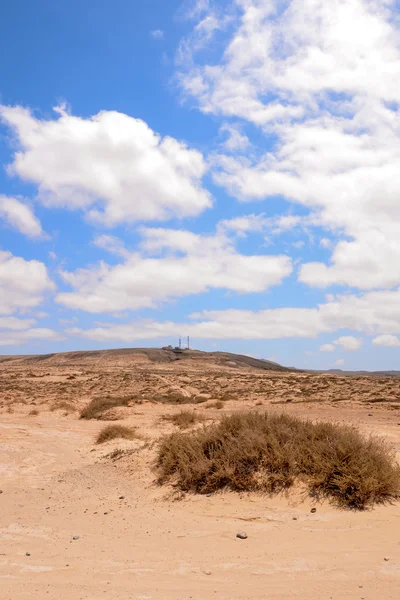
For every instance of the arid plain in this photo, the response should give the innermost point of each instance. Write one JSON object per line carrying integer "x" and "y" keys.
{"x": 135, "y": 539}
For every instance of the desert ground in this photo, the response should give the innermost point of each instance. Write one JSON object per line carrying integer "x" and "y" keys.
{"x": 135, "y": 539}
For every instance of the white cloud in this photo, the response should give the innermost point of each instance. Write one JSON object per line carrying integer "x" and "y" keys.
{"x": 371, "y": 313}
{"x": 15, "y": 323}
{"x": 349, "y": 342}
{"x": 23, "y": 283}
{"x": 157, "y": 34}
{"x": 339, "y": 362}
{"x": 111, "y": 244}
{"x": 327, "y": 91}
{"x": 171, "y": 264}
{"x": 236, "y": 140}
{"x": 20, "y": 216}
{"x": 386, "y": 340}
{"x": 110, "y": 165}
{"x": 22, "y": 337}
{"x": 327, "y": 348}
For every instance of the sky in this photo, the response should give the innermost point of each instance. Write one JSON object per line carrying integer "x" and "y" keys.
{"x": 226, "y": 170}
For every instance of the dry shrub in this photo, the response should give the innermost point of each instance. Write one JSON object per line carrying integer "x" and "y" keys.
{"x": 67, "y": 407}
{"x": 33, "y": 413}
{"x": 218, "y": 405}
{"x": 97, "y": 406}
{"x": 269, "y": 453}
{"x": 184, "y": 418}
{"x": 176, "y": 397}
{"x": 112, "y": 432}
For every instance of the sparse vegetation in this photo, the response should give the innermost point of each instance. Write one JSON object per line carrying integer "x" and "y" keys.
{"x": 34, "y": 412}
{"x": 218, "y": 405}
{"x": 116, "y": 431}
{"x": 98, "y": 406}
{"x": 184, "y": 418}
{"x": 64, "y": 405}
{"x": 262, "y": 452}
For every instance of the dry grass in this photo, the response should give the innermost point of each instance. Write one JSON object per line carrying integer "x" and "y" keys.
{"x": 34, "y": 412}
{"x": 184, "y": 419}
{"x": 269, "y": 453}
{"x": 112, "y": 432}
{"x": 98, "y": 406}
{"x": 64, "y": 405}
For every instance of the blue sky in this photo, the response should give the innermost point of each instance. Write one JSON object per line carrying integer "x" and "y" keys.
{"x": 224, "y": 170}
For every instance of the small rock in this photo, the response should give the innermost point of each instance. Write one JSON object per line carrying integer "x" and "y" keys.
{"x": 208, "y": 495}
{"x": 122, "y": 498}
{"x": 106, "y": 513}
{"x": 370, "y": 414}
{"x": 1, "y": 491}
{"x": 313, "y": 510}
{"x": 207, "y": 572}
{"x": 76, "y": 537}
{"x": 386, "y": 558}
{"x": 294, "y": 518}
{"x": 27, "y": 553}
{"x": 241, "y": 535}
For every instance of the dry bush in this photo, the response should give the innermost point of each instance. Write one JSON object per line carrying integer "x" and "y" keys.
{"x": 184, "y": 419}
{"x": 33, "y": 413}
{"x": 176, "y": 397}
{"x": 112, "y": 432}
{"x": 269, "y": 453}
{"x": 97, "y": 406}
{"x": 218, "y": 405}
{"x": 68, "y": 407}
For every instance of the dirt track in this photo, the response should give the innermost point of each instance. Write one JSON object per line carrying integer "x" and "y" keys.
{"x": 153, "y": 544}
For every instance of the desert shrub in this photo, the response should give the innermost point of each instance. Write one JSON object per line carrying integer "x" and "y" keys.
{"x": 34, "y": 412}
{"x": 116, "y": 431}
{"x": 97, "y": 406}
{"x": 269, "y": 453}
{"x": 177, "y": 397}
{"x": 184, "y": 418}
{"x": 64, "y": 405}
{"x": 218, "y": 404}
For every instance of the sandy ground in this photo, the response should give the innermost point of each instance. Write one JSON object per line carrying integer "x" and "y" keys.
{"x": 139, "y": 541}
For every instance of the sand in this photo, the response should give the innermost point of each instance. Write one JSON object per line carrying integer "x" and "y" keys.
{"x": 155, "y": 543}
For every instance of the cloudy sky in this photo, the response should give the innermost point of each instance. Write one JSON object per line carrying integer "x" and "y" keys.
{"x": 227, "y": 170}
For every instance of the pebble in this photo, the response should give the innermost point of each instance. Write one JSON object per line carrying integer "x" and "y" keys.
{"x": 122, "y": 498}
{"x": 76, "y": 537}
{"x": 207, "y": 572}
{"x": 1, "y": 491}
{"x": 208, "y": 495}
{"x": 241, "y": 535}
{"x": 294, "y": 518}
{"x": 313, "y": 510}
{"x": 27, "y": 553}
{"x": 386, "y": 558}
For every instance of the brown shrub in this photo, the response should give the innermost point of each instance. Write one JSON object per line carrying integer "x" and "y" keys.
{"x": 184, "y": 419}
{"x": 253, "y": 451}
{"x": 34, "y": 412}
{"x": 97, "y": 406}
{"x": 116, "y": 431}
{"x": 64, "y": 405}
{"x": 218, "y": 405}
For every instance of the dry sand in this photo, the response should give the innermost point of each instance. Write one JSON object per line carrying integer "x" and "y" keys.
{"x": 155, "y": 543}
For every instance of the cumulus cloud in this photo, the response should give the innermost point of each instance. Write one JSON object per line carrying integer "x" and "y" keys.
{"x": 387, "y": 340}
{"x": 349, "y": 342}
{"x": 112, "y": 166}
{"x": 35, "y": 334}
{"x": 171, "y": 264}
{"x": 23, "y": 283}
{"x": 327, "y": 348}
{"x": 20, "y": 217}
{"x": 370, "y": 313}
{"x": 326, "y": 93}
